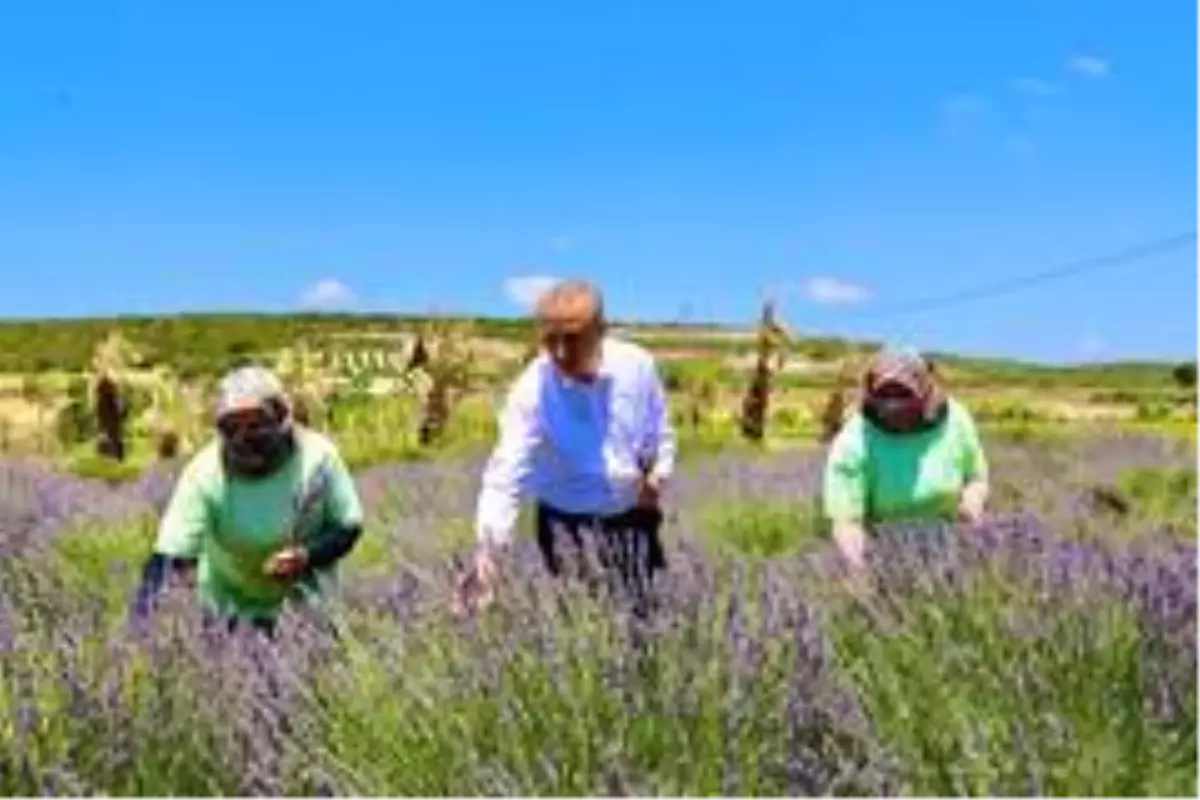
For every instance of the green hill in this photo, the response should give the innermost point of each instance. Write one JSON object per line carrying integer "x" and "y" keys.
{"x": 205, "y": 343}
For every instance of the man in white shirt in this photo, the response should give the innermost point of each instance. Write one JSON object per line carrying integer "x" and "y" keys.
{"x": 586, "y": 432}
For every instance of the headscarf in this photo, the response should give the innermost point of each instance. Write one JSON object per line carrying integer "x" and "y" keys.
{"x": 909, "y": 369}
{"x": 258, "y": 450}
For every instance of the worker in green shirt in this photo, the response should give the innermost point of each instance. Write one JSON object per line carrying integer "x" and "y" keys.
{"x": 260, "y": 515}
{"x": 909, "y": 452}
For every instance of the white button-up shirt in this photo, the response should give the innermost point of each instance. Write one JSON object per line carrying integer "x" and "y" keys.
{"x": 580, "y": 447}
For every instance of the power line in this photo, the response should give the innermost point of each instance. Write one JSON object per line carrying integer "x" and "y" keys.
{"x": 1130, "y": 255}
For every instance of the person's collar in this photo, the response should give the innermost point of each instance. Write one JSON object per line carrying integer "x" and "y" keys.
{"x": 604, "y": 365}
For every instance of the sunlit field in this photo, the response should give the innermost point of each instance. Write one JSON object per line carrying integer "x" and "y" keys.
{"x": 1052, "y": 651}
{"x": 766, "y": 265}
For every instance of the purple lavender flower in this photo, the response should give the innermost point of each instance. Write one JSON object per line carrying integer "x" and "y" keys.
{"x": 752, "y": 675}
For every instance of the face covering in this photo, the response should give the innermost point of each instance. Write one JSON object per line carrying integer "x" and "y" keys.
{"x": 923, "y": 403}
{"x": 898, "y": 412}
{"x": 257, "y": 447}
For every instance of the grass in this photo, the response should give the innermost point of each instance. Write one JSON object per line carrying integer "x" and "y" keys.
{"x": 763, "y": 530}
{"x": 1164, "y": 495}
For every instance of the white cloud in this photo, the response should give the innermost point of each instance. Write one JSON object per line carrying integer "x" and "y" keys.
{"x": 328, "y": 293}
{"x": 832, "y": 291}
{"x": 1089, "y": 66}
{"x": 525, "y": 290}
{"x": 1035, "y": 87}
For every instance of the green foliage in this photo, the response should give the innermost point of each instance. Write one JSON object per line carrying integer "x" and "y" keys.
{"x": 788, "y": 421}
{"x": 76, "y": 422}
{"x": 92, "y": 465}
{"x": 1008, "y": 412}
{"x": 105, "y": 562}
{"x": 939, "y": 681}
{"x": 710, "y": 439}
{"x": 207, "y": 344}
{"x": 984, "y": 683}
{"x": 137, "y": 400}
{"x": 199, "y": 343}
{"x": 1163, "y": 495}
{"x": 1153, "y": 412}
{"x": 556, "y": 720}
{"x": 572, "y": 709}
{"x": 694, "y": 375}
{"x": 1185, "y": 374}
{"x": 763, "y": 530}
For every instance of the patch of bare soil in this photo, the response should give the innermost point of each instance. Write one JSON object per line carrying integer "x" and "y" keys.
{"x": 21, "y": 418}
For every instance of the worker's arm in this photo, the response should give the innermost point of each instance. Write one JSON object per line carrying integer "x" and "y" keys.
{"x": 974, "y": 494}
{"x": 181, "y": 533}
{"x": 844, "y": 494}
{"x": 343, "y": 519}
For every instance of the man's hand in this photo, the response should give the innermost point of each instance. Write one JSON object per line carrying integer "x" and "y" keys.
{"x": 476, "y": 587}
{"x": 649, "y": 492}
{"x": 287, "y": 564}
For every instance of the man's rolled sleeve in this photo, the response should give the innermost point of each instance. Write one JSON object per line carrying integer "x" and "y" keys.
{"x": 663, "y": 442}
{"x": 506, "y": 475}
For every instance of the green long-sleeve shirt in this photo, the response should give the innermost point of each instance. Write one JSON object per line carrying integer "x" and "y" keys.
{"x": 875, "y": 476}
{"x": 232, "y": 526}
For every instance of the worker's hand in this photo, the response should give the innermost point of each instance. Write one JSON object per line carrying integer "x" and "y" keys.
{"x": 287, "y": 564}
{"x": 851, "y": 542}
{"x": 855, "y": 577}
{"x": 475, "y": 589}
{"x": 972, "y": 500}
{"x": 971, "y": 505}
{"x": 649, "y": 492}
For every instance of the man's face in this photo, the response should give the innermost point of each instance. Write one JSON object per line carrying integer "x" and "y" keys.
{"x": 571, "y": 335}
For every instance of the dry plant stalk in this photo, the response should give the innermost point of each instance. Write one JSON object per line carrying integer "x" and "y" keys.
{"x": 756, "y": 405}
{"x": 308, "y": 384}
{"x": 419, "y": 358}
{"x": 167, "y": 413}
{"x": 36, "y": 392}
{"x": 702, "y": 397}
{"x": 167, "y": 446}
{"x": 110, "y": 419}
{"x": 449, "y": 367}
{"x": 842, "y": 400}
{"x": 110, "y": 360}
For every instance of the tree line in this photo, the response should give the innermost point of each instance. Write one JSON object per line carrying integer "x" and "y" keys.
{"x": 206, "y": 344}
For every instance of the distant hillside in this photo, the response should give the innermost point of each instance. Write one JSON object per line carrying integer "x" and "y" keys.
{"x": 206, "y": 343}
{"x": 202, "y": 342}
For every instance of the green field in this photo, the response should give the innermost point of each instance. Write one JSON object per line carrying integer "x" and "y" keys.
{"x": 1050, "y": 652}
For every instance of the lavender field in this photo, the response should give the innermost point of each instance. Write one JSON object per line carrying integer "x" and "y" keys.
{"x": 1053, "y": 651}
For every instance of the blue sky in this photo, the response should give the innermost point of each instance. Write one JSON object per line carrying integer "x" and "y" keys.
{"x": 415, "y": 156}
